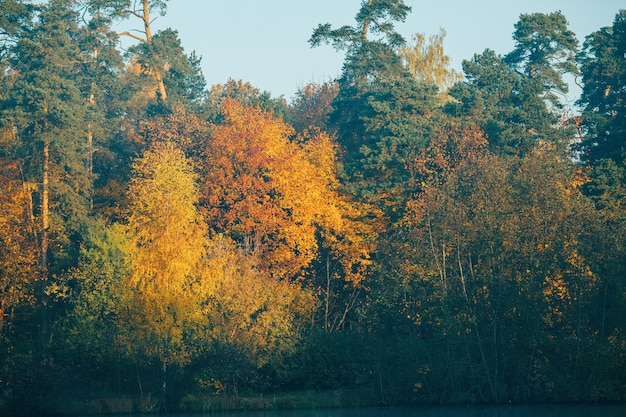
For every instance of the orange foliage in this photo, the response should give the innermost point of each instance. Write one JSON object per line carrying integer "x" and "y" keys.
{"x": 268, "y": 192}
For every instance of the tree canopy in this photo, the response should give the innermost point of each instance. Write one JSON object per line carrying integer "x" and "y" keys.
{"x": 401, "y": 234}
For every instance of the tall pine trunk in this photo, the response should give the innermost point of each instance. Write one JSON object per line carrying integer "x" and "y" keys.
{"x": 162, "y": 94}
{"x": 45, "y": 225}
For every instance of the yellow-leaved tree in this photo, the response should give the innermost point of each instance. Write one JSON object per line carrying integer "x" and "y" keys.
{"x": 254, "y": 319}
{"x": 428, "y": 62}
{"x": 162, "y": 296}
{"x": 17, "y": 244}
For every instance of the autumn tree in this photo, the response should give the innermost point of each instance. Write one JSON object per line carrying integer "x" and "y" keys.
{"x": 160, "y": 308}
{"x": 138, "y": 291}
{"x": 264, "y": 190}
{"x": 18, "y": 236}
{"x": 428, "y": 62}
{"x": 346, "y": 240}
{"x": 18, "y": 248}
{"x": 248, "y": 167}
{"x": 255, "y": 321}
{"x": 312, "y": 106}
{"x": 157, "y": 289}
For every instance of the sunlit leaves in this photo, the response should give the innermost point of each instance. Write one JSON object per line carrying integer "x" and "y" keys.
{"x": 248, "y": 310}
{"x": 428, "y": 61}
{"x": 266, "y": 191}
{"x": 165, "y": 225}
{"x": 167, "y": 240}
{"x": 17, "y": 246}
{"x": 450, "y": 248}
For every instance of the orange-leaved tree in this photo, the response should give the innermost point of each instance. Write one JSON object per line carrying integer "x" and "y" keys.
{"x": 269, "y": 192}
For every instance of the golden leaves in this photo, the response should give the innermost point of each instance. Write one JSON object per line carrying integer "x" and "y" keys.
{"x": 428, "y": 62}
{"x": 165, "y": 225}
{"x": 17, "y": 251}
{"x": 167, "y": 241}
{"x": 248, "y": 308}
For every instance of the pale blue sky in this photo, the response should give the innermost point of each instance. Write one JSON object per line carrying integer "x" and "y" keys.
{"x": 264, "y": 42}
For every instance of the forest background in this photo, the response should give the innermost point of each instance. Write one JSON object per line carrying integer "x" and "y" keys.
{"x": 404, "y": 234}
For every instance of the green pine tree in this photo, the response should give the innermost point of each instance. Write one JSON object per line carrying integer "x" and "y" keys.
{"x": 45, "y": 109}
{"x": 603, "y": 98}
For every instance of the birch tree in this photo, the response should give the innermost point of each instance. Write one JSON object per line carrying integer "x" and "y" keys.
{"x": 161, "y": 298}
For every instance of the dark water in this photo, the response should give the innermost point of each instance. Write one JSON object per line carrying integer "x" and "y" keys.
{"x": 569, "y": 410}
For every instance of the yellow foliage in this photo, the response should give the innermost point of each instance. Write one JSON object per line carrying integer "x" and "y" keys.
{"x": 167, "y": 241}
{"x": 247, "y": 308}
{"x": 556, "y": 287}
{"x": 17, "y": 252}
{"x": 428, "y": 62}
{"x": 167, "y": 231}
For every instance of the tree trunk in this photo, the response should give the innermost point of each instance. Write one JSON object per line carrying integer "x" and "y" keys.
{"x": 45, "y": 225}
{"x": 91, "y": 101}
{"x": 474, "y": 320}
{"x": 327, "y": 298}
{"x": 145, "y": 17}
{"x": 366, "y": 25}
{"x": 45, "y": 206}
{"x": 162, "y": 94}
{"x": 163, "y": 405}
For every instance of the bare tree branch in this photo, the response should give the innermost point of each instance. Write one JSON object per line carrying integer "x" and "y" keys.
{"x": 132, "y": 35}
